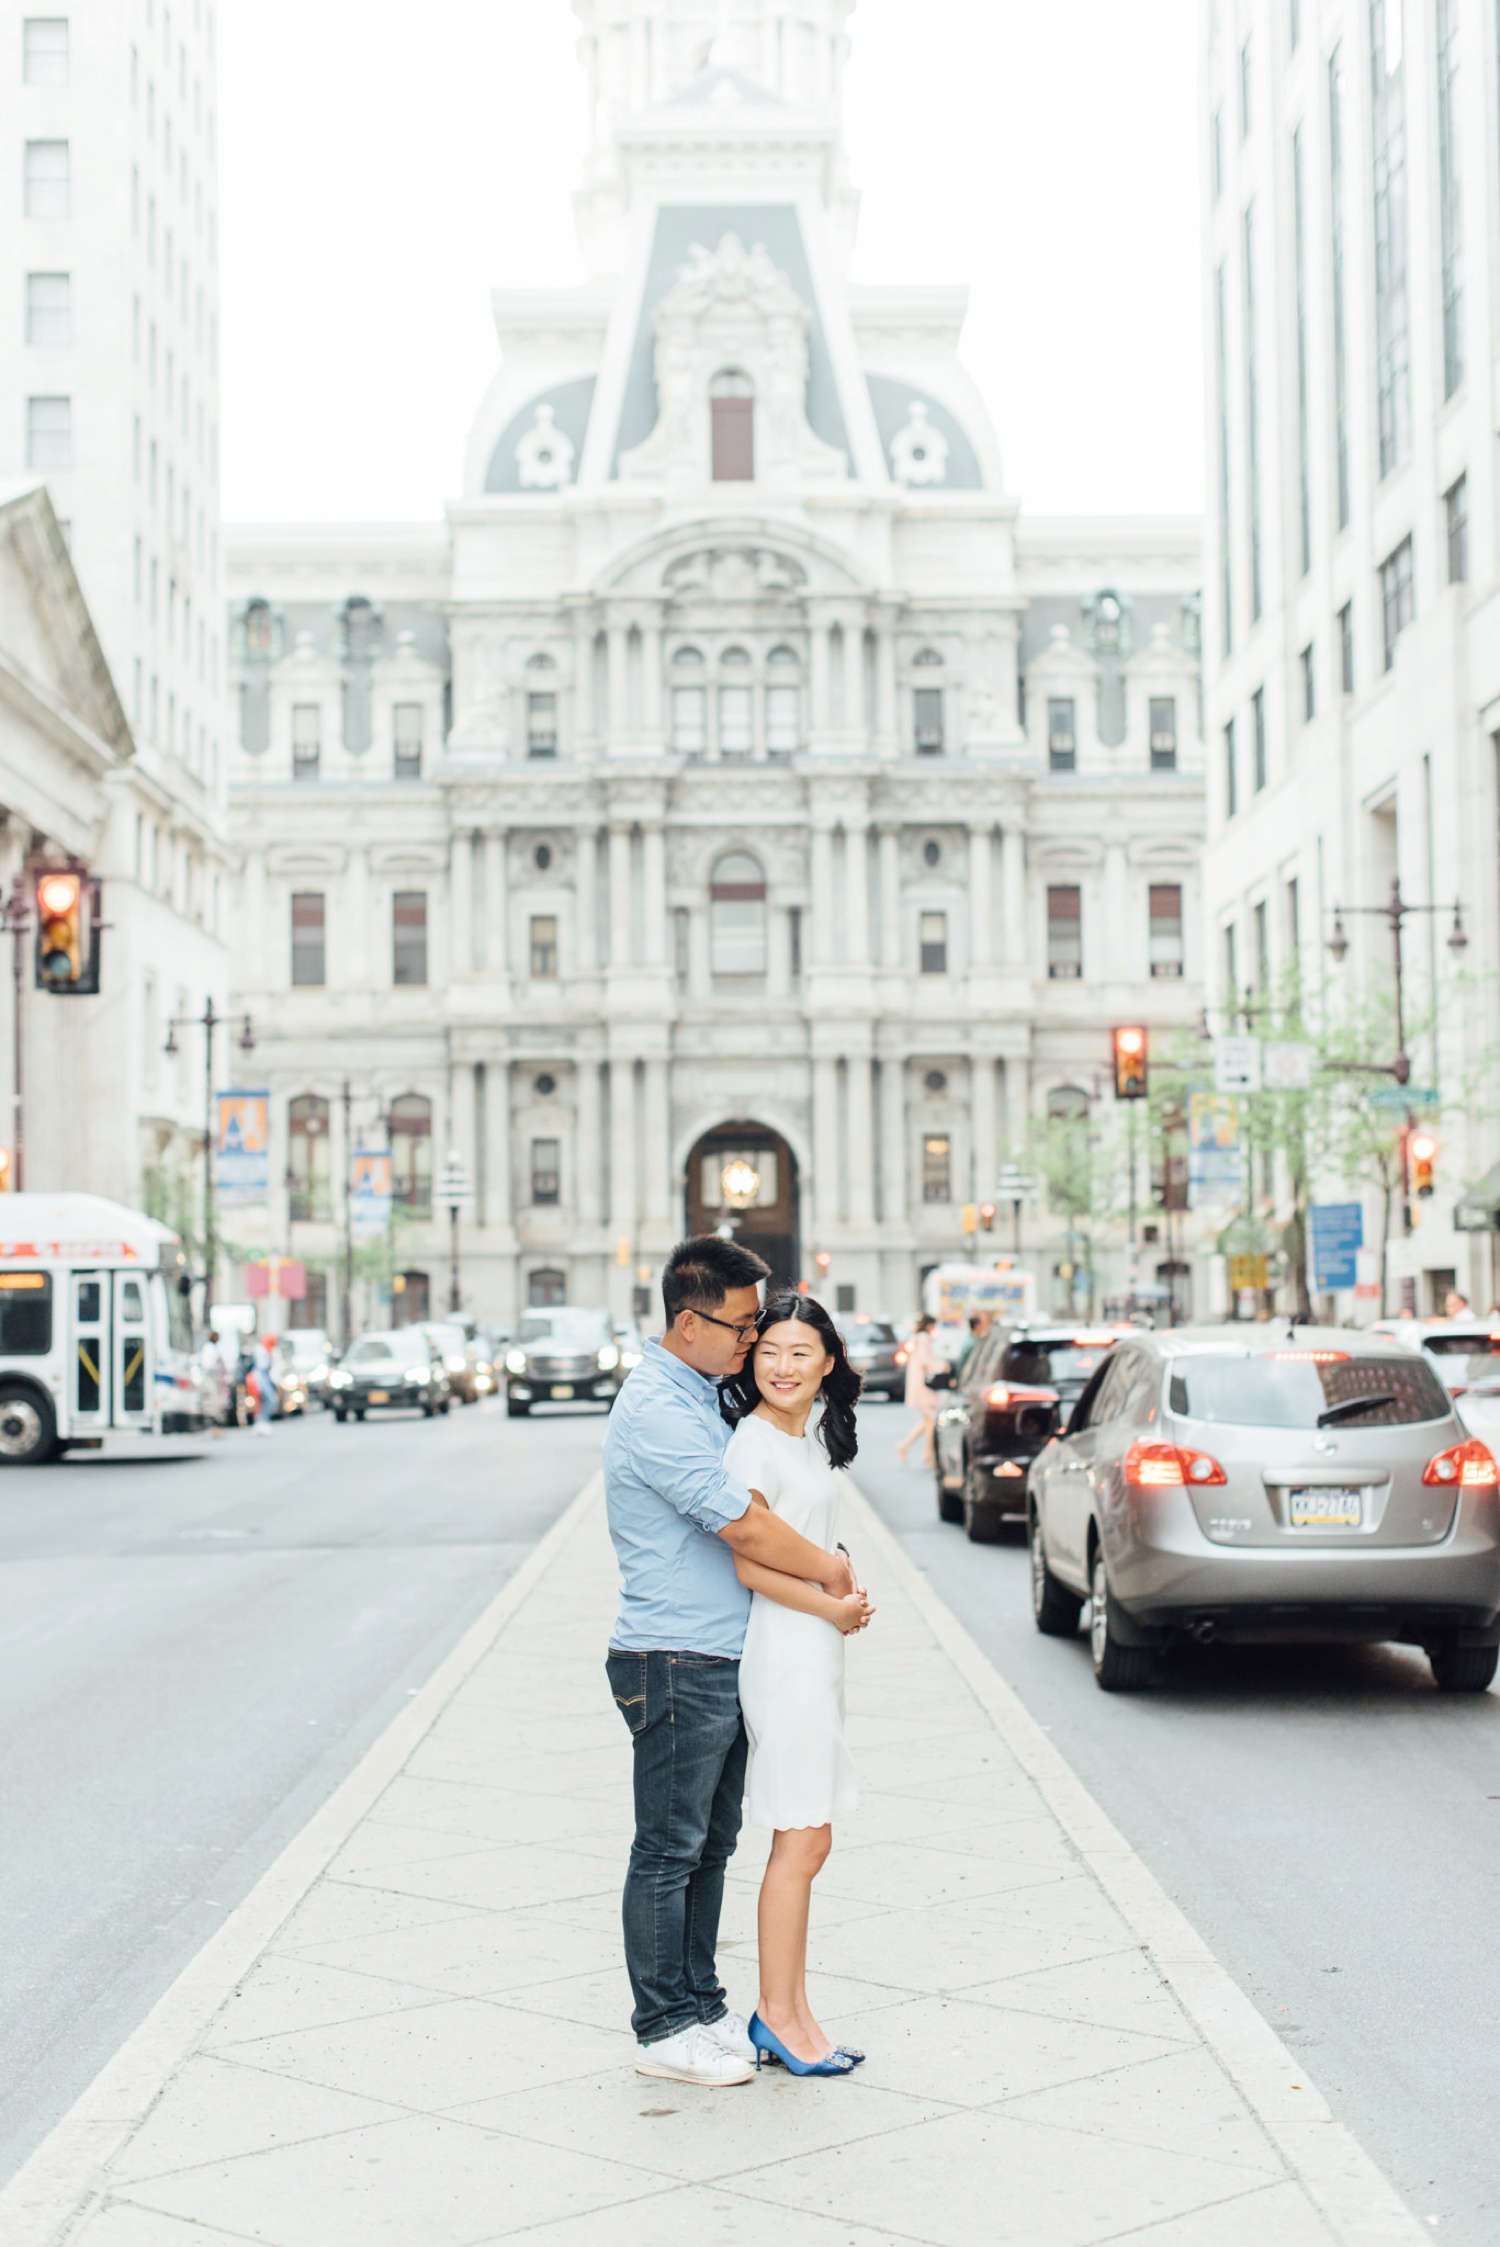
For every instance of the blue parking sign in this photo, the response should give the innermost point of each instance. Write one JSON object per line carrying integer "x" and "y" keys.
{"x": 1338, "y": 1234}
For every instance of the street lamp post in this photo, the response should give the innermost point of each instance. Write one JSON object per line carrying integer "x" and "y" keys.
{"x": 208, "y": 1021}
{"x": 454, "y": 1194}
{"x": 15, "y": 914}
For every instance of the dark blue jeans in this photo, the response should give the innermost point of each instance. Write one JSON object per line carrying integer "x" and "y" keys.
{"x": 683, "y": 1714}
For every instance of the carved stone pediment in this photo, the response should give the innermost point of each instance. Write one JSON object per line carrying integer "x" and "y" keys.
{"x": 731, "y": 309}
{"x": 734, "y": 573}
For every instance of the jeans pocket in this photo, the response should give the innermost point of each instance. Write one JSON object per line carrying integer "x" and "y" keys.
{"x": 627, "y": 1682}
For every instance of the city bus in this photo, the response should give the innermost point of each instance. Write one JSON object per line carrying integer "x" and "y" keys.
{"x": 96, "y": 1330}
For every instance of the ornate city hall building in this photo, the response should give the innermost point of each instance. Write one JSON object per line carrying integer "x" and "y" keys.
{"x": 732, "y": 811}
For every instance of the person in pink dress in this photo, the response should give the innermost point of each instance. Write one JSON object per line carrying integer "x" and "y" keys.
{"x": 922, "y": 1360}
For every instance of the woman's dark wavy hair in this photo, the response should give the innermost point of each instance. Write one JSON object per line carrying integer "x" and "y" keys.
{"x": 837, "y": 1431}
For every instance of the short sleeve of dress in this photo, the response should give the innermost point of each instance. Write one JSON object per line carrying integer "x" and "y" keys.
{"x": 752, "y": 1459}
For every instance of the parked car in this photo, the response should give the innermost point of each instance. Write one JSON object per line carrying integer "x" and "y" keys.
{"x": 1015, "y": 1390}
{"x": 460, "y": 1356}
{"x": 1465, "y": 1355}
{"x": 307, "y": 1348}
{"x": 1268, "y": 1484}
{"x": 632, "y": 1347}
{"x": 874, "y": 1353}
{"x": 564, "y": 1356}
{"x": 398, "y": 1372}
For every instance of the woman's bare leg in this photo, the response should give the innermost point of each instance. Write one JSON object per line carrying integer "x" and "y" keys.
{"x": 929, "y": 1450}
{"x": 797, "y": 1856}
{"x": 910, "y": 1438}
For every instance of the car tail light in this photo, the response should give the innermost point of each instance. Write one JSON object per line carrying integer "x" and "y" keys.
{"x": 1008, "y": 1467}
{"x": 1168, "y": 1466}
{"x": 1470, "y": 1465}
{"x": 1309, "y": 1357}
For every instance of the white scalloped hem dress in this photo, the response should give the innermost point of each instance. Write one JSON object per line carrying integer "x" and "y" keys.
{"x": 792, "y": 1670}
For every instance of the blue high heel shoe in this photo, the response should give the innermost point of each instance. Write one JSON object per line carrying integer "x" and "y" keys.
{"x": 769, "y": 2047}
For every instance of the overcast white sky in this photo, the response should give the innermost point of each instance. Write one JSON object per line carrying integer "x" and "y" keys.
{"x": 385, "y": 163}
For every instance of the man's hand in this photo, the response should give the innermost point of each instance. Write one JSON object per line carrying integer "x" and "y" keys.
{"x": 840, "y": 1584}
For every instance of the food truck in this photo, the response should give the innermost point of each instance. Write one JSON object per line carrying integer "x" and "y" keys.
{"x": 96, "y": 1330}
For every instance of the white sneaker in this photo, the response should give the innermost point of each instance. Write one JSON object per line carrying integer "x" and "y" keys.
{"x": 731, "y": 2032}
{"x": 693, "y": 2055}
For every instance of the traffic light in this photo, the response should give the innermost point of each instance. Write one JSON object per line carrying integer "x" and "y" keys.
{"x": 1421, "y": 1153}
{"x": 987, "y": 1216}
{"x": 5, "y": 1177}
{"x": 823, "y": 1260}
{"x": 67, "y": 932}
{"x": 1130, "y": 1062}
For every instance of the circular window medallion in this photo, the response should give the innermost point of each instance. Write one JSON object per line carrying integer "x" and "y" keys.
{"x": 545, "y": 1087}
{"x": 932, "y": 854}
{"x": 542, "y": 857}
{"x": 935, "y": 1081}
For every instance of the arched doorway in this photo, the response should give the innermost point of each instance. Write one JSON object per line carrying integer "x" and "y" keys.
{"x": 744, "y": 1176}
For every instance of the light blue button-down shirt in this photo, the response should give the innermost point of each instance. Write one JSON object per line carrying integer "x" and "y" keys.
{"x": 668, "y": 1497}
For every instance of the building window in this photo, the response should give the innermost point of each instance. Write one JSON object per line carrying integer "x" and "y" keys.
{"x": 309, "y": 956}
{"x": 937, "y": 1169}
{"x": 1216, "y": 151}
{"x": 1346, "y": 648}
{"x": 547, "y": 1290}
{"x": 1252, "y": 410}
{"x": 737, "y": 916}
{"x": 1062, "y": 734}
{"x": 732, "y": 406}
{"x": 1336, "y": 284}
{"x": 1456, "y": 524}
{"x": 307, "y": 741}
{"x": 1165, "y": 935}
{"x": 1261, "y": 923}
{"x": 682, "y": 958}
{"x": 541, "y": 725}
{"x": 1306, "y": 664}
{"x": 49, "y": 308}
{"x": 794, "y": 943}
{"x": 1258, "y": 736}
{"x": 543, "y": 947}
{"x": 410, "y": 1125}
{"x": 411, "y": 1298}
{"x": 1450, "y": 197}
{"x": 1231, "y": 773}
{"x": 1065, "y": 932}
{"x": 1392, "y": 310}
{"x": 258, "y": 628}
{"x": 1245, "y": 91}
{"x": 546, "y": 1171}
{"x": 1231, "y": 972}
{"x": 406, "y": 720}
{"x": 690, "y": 720}
{"x": 927, "y": 711}
{"x": 932, "y": 943}
{"x": 736, "y": 712}
{"x": 49, "y": 433}
{"x": 44, "y": 50}
{"x": 1396, "y": 598}
{"x": 1304, "y": 427}
{"x": 409, "y": 936}
{"x": 48, "y": 178}
{"x": 783, "y": 721}
{"x": 308, "y": 1151}
{"x": 1221, "y": 393}
{"x": 1163, "y": 733}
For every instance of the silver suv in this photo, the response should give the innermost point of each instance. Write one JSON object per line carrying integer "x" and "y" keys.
{"x": 1268, "y": 1484}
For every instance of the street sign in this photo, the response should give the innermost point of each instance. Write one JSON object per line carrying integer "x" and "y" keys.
{"x": 242, "y": 1147}
{"x": 1337, "y": 1231}
{"x": 453, "y": 1191}
{"x": 1401, "y": 1097}
{"x": 1287, "y": 1066}
{"x": 1248, "y": 1272}
{"x": 278, "y": 1276}
{"x": 371, "y": 1185}
{"x": 1237, "y": 1065}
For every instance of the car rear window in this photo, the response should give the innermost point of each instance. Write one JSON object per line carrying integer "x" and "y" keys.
{"x": 390, "y": 1349}
{"x": 1470, "y": 1357}
{"x": 1293, "y": 1391}
{"x": 866, "y": 1330}
{"x": 586, "y": 1328}
{"x": 1045, "y": 1364}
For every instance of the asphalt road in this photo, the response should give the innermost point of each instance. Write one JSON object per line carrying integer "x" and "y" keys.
{"x": 193, "y": 1654}
{"x": 1329, "y": 1823}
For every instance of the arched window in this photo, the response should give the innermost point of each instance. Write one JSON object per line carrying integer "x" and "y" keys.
{"x": 411, "y": 1150}
{"x": 689, "y": 703}
{"x": 547, "y": 1290}
{"x": 927, "y": 706}
{"x": 737, "y": 916}
{"x": 307, "y": 1165}
{"x": 361, "y": 627}
{"x": 732, "y": 404}
{"x": 783, "y": 703}
{"x": 736, "y": 705}
{"x": 258, "y": 628}
{"x": 411, "y": 1298}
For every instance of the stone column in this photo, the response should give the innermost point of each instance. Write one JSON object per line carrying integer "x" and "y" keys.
{"x": 893, "y": 1148}
{"x": 654, "y": 877}
{"x": 619, "y": 897}
{"x": 820, "y": 933}
{"x": 818, "y": 678}
{"x": 585, "y": 718}
{"x": 651, "y": 699}
{"x": 590, "y": 1153}
{"x": 356, "y": 916}
{"x": 496, "y": 903}
{"x": 825, "y": 1089}
{"x": 861, "y": 1149}
{"x": 623, "y": 1206}
{"x": 1013, "y": 893}
{"x": 982, "y": 1107}
{"x": 857, "y": 894}
{"x": 586, "y": 902}
{"x": 461, "y": 901}
{"x": 498, "y": 1194}
{"x": 1119, "y": 950}
{"x": 981, "y": 910}
{"x": 889, "y": 897}
{"x": 617, "y": 722}
{"x": 889, "y": 692}
{"x": 658, "y": 1144}
{"x": 461, "y": 1139}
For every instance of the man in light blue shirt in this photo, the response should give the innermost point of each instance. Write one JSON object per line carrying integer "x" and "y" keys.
{"x": 677, "y": 1521}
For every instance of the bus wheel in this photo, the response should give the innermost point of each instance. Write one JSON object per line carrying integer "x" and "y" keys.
{"x": 28, "y": 1426}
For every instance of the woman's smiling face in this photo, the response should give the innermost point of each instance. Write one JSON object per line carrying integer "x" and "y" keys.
{"x": 791, "y": 1365}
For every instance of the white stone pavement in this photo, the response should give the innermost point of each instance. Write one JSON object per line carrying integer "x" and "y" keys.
{"x": 415, "y": 2034}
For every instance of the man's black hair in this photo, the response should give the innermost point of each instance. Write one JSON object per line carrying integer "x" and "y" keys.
{"x": 699, "y": 1274}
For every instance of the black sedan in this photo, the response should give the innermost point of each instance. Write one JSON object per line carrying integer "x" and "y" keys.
{"x": 398, "y": 1372}
{"x": 562, "y": 1356}
{"x": 872, "y": 1350}
{"x": 1017, "y": 1388}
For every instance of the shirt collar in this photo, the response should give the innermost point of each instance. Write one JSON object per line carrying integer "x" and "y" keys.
{"x": 700, "y": 1385}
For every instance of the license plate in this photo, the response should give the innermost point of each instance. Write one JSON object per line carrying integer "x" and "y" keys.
{"x": 561, "y": 1389}
{"x": 378, "y": 1396}
{"x": 1326, "y": 1509}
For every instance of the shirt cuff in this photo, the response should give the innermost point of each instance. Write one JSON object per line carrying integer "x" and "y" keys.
{"x": 732, "y": 1504}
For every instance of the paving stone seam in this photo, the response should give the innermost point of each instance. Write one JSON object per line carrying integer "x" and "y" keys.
{"x": 1359, "y": 2203}
{"x": 55, "y": 2189}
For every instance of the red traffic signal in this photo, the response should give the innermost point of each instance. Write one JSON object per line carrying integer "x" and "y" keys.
{"x": 1130, "y": 1062}
{"x": 67, "y": 931}
{"x": 822, "y": 1260}
{"x": 987, "y": 1216}
{"x": 1421, "y": 1154}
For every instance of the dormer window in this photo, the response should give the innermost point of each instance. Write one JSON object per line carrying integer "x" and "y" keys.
{"x": 732, "y": 405}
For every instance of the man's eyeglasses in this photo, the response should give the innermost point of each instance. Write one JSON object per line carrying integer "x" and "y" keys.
{"x": 741, "y": 1331}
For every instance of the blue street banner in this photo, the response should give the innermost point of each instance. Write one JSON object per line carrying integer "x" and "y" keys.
{"x": 370, "y": 1194}
{"x": 1215, "y": 1155}
{"x": 242, "y": 1147}
{"x": 1337, "y": 1231}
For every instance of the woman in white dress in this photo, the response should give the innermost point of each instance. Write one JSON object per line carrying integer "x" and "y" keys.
{"x": 801, "y": 1775}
